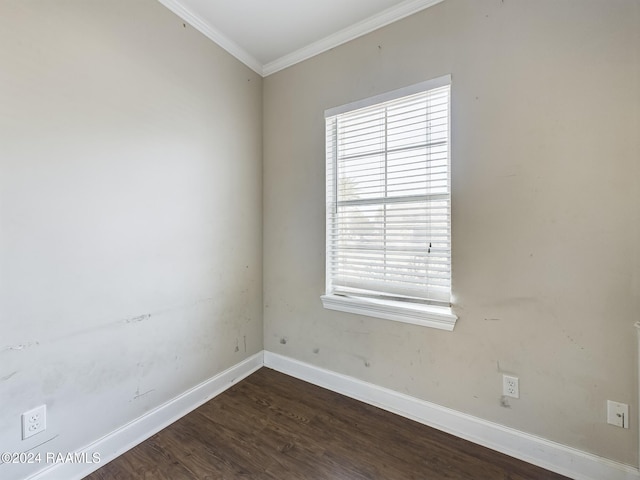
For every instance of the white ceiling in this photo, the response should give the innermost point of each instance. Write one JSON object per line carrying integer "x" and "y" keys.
{"x": 269, "y": 35}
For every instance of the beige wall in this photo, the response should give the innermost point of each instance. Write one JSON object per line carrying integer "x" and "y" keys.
{"x": 546, "y": 205}
{"x": 130, "y": 215}
{"x": 130, "y": 196}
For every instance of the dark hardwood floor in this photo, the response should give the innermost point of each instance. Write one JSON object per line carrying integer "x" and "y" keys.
{"x": 272, "y": 426}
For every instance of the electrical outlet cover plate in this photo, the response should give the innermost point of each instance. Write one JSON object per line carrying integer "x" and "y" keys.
{"x": 34, "y": 421}
{"x": 510, "y": 386}
{"x": 618, "y": 414}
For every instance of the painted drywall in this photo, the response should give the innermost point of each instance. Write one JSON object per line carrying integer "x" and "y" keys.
{"x": 130, "y": 216}
{"x": 546, "y": 182}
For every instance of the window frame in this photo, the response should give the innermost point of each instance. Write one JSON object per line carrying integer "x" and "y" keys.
{"x": 402, "y": 310}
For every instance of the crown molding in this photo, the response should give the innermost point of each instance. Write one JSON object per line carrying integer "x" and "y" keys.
{"x": 213, "y": 34}
{"x": 390, "y": 15}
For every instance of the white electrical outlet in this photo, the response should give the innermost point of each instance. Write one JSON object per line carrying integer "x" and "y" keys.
{"x": 618, "y": 414}
{"x": 34, "y": 421}
{"x": 510, "y": 386}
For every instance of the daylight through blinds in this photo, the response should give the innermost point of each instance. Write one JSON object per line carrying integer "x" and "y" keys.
{"x": 388, "y": 193}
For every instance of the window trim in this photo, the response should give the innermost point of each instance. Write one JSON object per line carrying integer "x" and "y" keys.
{"x": 427, "y": 315}
{"x": 424, "y": 315}
{"x": 388, "y": 96}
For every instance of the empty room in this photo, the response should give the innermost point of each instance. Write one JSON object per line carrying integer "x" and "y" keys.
{"x": 356, "y": 239}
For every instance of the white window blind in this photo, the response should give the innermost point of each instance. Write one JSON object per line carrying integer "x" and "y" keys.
{"x": 388, "y": 196}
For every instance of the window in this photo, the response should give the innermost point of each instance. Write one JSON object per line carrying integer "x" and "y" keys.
{"x": 389, "y": 204}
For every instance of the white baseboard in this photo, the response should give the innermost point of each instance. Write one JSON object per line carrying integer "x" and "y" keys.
{"x": 135, "y": 432}
{"x": 553, "y": 456}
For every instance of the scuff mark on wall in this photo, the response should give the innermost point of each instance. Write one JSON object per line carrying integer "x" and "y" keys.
{"x": 139, "y": 318}
{"x": 7, "y": 377}
{"x": 283, "y": 340}
{"x": 504, "y": 402}
{"x": 20, "y": 346}
{"x": 572, "y": 340}
{"x": 316, "y": 351}
{"x": 362, "y": 358}
{"x": 136, "y": 319}
{"x": 138, "y": 394}
{"x": 244, "y": 337}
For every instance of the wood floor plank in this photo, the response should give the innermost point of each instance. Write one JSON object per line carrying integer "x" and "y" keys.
{"x": 274, "y": 427}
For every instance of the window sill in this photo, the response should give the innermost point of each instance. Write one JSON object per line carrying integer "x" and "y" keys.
{"x": 425, "y": 315}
